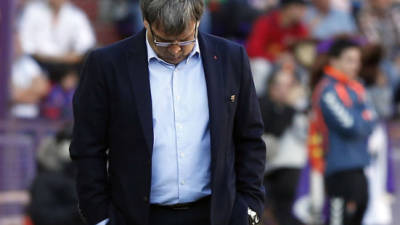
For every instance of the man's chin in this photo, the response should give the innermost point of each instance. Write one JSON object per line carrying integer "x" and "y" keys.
{"x": 174, "y": 60}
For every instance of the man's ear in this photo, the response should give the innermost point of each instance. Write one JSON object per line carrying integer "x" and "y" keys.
{"x": 146, "y": 24}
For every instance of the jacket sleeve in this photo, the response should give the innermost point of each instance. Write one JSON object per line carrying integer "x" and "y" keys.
{"x": 89, "y": 143}
{"x": 250, "y": 148}
{"x": 355, "y": 120}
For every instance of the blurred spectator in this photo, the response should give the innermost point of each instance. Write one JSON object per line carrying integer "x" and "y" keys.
{"x": 271, "y": 38}
{"x": 232, "y": 19}
{"x": 53, "y": 154}
{"x": 57, "y": 34}
{"x": 275, "y": 32}
{"x": 324, "y": 21}
{"x": 379, "y": 23}
{"x": 54, "y": 199}
{"x": 127, "y": 16}
{"x": 288, "y": 62}
{"x": 377, "y": 86}
{"x": 58, "y": 104}
{"x": 263, "y": 5}
{"x": 28, "y": 84}
{"x": 283, "y": 110}
{"x": 305, "y": 53}
{"x": 380, "y": 95}
{"x": 340, "y": 127}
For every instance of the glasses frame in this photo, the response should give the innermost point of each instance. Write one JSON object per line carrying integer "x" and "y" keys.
{"x": 179, "y": 43}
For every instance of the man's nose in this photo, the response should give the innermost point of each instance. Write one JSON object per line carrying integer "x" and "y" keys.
{"x": 174, "y": 49}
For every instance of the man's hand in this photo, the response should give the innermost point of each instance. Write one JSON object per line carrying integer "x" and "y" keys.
{"x": 254, "y": 219}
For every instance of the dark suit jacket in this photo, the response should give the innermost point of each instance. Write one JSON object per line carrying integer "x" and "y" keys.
{"x": 112, "y": 109}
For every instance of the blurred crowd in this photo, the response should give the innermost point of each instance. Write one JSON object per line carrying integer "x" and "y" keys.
{"x": 287, "y": 41}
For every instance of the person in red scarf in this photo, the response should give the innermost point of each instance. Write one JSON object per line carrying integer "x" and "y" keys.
{"x": 274, "y": 33}
{"x": 341, "y": 123}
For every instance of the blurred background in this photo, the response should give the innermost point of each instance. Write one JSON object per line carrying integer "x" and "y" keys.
{"x": 43, "y": 44}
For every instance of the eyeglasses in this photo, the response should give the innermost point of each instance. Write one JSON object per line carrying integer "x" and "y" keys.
{"x": 179, "y": 43}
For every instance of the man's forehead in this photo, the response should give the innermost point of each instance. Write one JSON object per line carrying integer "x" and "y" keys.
{"x": 160, "y": 29}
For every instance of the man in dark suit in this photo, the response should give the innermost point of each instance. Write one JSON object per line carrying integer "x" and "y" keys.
{"x": 168, "y": 127}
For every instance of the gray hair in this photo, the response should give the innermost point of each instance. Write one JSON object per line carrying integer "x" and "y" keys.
{"x": 173, "y": 15}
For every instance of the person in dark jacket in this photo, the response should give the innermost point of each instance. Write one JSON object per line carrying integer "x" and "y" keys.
{"x": 284, "y": 110}
{"x": 54, "y": 199}
{"x": 341, "y": 123}
{"x": 167, "y": 127}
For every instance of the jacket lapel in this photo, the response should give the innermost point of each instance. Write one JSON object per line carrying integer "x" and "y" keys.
{"x": 138, "y": 72}
{"x": 137, "y": 65}
{"x": 215, "y": 87}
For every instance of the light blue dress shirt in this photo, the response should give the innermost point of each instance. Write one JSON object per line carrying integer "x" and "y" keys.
{"x": 181, "y": 161}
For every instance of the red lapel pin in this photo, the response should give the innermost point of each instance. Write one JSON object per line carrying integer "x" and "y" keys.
{"x": 215, "y": 57}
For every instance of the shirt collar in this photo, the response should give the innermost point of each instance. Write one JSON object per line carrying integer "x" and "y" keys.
{"x": 151, "y": 54}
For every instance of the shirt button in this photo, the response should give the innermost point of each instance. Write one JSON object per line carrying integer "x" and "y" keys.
{"x": 179, "y": 126}
{"x": 182, "y": 182}
{"x": 182, "y": 154}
